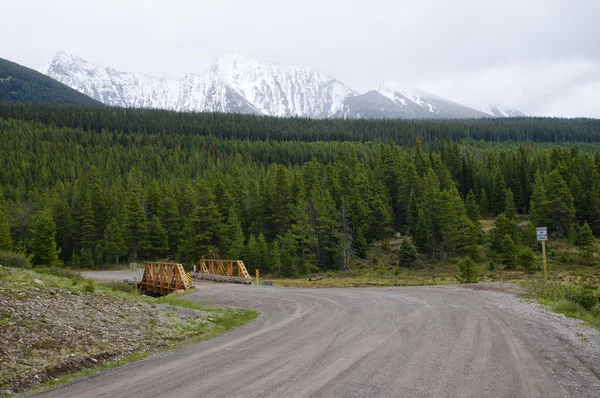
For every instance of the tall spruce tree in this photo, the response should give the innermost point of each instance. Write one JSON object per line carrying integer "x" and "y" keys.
{"x": 135, "y": 226}
{"x": 484, "y": 204}
{"x": 43, "y": 242}
{"x": 6, "y": 242}
{"x": 156, "y": 241}
{"x": 113, "y": 242}
{"x": 539, "y": 210}
{"x": 509, "y": 207}
{"x": 586, "y": 243}
{"x": 471, "y": 207}
{"x": 560, "y": 204}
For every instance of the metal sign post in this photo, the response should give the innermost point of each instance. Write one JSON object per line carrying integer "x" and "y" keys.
{"x": 542, "y": 235}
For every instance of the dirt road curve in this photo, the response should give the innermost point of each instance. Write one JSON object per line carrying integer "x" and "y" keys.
{"x": 444, "y": 341}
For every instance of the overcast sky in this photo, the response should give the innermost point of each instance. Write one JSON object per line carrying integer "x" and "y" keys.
{"x": 540, "y": 56}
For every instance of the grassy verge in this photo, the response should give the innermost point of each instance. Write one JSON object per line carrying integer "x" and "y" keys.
{"x": 581, "y": 302}
{"x": 57, "y": 326}
{"x": 223, "y": 322}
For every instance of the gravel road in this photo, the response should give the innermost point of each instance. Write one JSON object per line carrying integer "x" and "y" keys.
{"x": 438, "y": 341}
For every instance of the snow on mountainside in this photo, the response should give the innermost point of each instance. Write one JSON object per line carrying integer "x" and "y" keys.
{"x": 116, "y": 88}
{"x": 502, "y": 111}
{"x": 232, "y": 84}
{"x": 274, "y": 89}
{"x": 391, "y": 100}
{"x": 244, "y": 85}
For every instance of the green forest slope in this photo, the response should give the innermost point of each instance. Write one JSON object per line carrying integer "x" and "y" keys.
{"x": 85, "y": 188}
{"x": 21, "y": 84}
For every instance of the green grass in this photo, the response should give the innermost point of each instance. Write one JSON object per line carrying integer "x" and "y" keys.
{"x": 219, "y": 320}
{"x": 229, "y": 319}
{"x": 580, "y": 302}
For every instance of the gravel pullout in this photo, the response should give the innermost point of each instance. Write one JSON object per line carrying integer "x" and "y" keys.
{"x": 437, "y": 341}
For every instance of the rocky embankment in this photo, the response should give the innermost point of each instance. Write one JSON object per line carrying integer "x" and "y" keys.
{"x": 53, "y": 326}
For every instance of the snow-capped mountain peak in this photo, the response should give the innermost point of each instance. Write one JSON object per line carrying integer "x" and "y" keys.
{"x": 275, "y": 89}
{"x": 238, "y": 84}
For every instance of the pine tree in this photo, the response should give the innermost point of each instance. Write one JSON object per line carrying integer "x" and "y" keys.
{"x": 87, "y": 224}
{"x": 113, "y": 244}
{"x": 134, "y": 225}
{"x": 156, "y": 240}
{"x": 498, "y": 200}
{"x": 413, "y": 213}
{"x": 6, "y": 242}
{"x": 468, "y": 270}
{"x": 276, "y": 257}
{"x": 507, "y": 252}
{"x": 204, "y": 231}
{"x": 574, "y": 234}
{"x": 484, "y": 204}
{"x": 43, "y": 242}
{"x": 264, "y": 261}
{"x": 422, "y": 238}
{"x": 234, "y": 237}
{"x": 560, "y": 203}
{"x": 407, "y": 256}
{"x": 509, "y": 208}
{"x": 504, "y": 226}
{"x": 526, "y": 260}
{"x": 345, "y": 239}
{"x": 472, "y": 208}
{"x": 538, "y": 206}
{"x": 586, "y": 242}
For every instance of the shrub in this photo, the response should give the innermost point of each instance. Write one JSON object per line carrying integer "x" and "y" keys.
{"x": 407, "y": 256}
{"x": 527, "y": 260}
{"x": 11, "y": 259}
{"x": 89, "y": 287}
{"x": 468, "y": 270}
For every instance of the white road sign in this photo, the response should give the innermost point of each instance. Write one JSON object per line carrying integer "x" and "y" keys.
{"x": 542, "y": 233}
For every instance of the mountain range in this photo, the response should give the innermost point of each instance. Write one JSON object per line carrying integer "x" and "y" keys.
{"x": 238, "y": 84}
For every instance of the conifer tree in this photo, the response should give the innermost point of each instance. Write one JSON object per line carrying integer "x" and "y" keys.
{"x": 560, "y": 203}
{"x": 113, "y": 242}
{"x": 234, "y": 237}
{"x": 484, "y": 204}
{"x": 574, "y": 234}
{"x": 407, "y": 256}
{"x": 498, "y": 200}
{"x": 509, "y": 208}
{"x": 204, "y": 230}
{"x": 276, "y": 257}
{"x": 6, "y": 242}
{"x": 413, "y": 213}
{"x": 156, "y": 241}
{"x": 504, "y": 226}
{"x": 507, "y": 252}
{"x": 422, "y": 238}
{"x": 134, "y": 225}
{"x": 586, "y": 242}
{"x": 87, "y": 224}
{"x": 538, "y": 206}
{"x": 472, "y": 208}
{"x": 43, "y": 242}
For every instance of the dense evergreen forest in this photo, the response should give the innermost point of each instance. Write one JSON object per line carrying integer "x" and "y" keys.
{"x": 88, "y": 186}
{"x": 248, "y": 127}
{"x": 21, "y": 84}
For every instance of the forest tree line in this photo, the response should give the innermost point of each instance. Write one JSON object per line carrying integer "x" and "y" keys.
{"x": 250, "y": 127}
{"x": 87, "y": 198}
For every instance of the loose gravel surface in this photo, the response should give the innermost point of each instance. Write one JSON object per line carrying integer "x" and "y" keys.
{"x": 50, "y": 328}
{"x": 438, "y": 341}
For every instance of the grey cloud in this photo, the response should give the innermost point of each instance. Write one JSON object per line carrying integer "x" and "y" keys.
{"x": 461, "y": 48}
